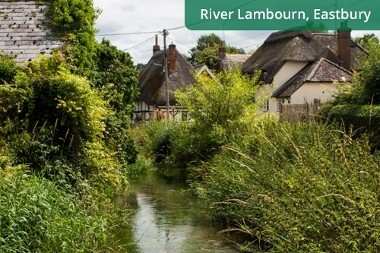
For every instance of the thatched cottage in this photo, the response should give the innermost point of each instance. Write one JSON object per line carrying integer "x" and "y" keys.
{"x": 152, "y": 100}
{"x": 300, "y": 67}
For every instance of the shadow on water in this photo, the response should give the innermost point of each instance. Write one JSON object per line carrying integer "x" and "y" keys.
{"x": 166, "y": 219}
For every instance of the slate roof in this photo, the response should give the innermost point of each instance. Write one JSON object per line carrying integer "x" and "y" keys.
{"x": 152, "y": 79}
{"x": 321, "y": 71}
{"x": 284, "y": 46}
{"x": 23, "y": 30}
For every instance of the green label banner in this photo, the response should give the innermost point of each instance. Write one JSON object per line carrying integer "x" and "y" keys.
{"x": 282, "y": 15}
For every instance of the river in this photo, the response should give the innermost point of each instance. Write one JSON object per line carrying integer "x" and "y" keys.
{"x": 164, "y": 218}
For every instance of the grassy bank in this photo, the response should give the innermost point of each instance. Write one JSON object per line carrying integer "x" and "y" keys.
{"x": 304, "y": 187}
{"x": 296, "y": 188}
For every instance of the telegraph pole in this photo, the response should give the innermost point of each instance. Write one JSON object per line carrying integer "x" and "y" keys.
{"x": 165, "y": 33}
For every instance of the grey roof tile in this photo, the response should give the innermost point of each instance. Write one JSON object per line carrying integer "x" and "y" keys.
{"x": 22, "y": 31}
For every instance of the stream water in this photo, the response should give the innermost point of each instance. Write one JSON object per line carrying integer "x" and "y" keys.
{"x": 164, "y": 218}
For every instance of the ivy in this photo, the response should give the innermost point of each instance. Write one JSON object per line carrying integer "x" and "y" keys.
{"x": 73, "y": 21}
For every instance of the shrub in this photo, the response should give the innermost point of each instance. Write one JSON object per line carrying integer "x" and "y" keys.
{"x": 217, "y": 107}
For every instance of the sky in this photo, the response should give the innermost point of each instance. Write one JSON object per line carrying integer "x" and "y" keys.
{"x": 132, "y": 25}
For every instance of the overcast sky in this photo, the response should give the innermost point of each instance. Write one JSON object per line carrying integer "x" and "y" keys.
{"x": 146, "y": 18}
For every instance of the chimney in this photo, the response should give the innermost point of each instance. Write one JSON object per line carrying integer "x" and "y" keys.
{"x": 344, "y": 45}
{"x": 172, "y": 57}
{"x": 222, "y": 50}
{"x": 156, "y": 47}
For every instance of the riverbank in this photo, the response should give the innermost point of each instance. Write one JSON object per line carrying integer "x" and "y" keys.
{"x": 288, "y": 187}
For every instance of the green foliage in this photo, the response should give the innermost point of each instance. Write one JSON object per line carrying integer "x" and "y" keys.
{"x": 366, "y": 40}
{"x": 71, "y": 136}
{"x": 62, "y": 100}
{"x": 365, "y": 88}
{"x": 115, "y": 67}
{"x": 153, "y": 140}
{"x": 296, "y": 188}
{"x": 368, "y": 78}
{"x": 54, "y": 117}
{"x": 8, "y": 68}
{"x": 207, "y": 50}
{"x": 73, "y": 21}
{"x": 363, "y": 119}
{"x": 38, "y": 216}
{"x": 218, "y": 108}
{"x": 116, "y": 77}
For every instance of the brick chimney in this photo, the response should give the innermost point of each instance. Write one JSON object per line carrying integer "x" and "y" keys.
{"x": 156, "y": 47}
{"x": 222, "y": 50}
{"x": 344, "y": 45}
{"x": 172, "y": 57}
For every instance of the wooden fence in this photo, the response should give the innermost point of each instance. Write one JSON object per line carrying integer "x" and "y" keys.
{"x": 299, "y": 112}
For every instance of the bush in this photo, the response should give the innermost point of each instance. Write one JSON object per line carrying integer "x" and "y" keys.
{"x": 361, "y": 119}
{"x": 218, "y": 107}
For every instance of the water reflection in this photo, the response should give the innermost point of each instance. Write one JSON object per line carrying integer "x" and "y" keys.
{"x": 167, "y": 220}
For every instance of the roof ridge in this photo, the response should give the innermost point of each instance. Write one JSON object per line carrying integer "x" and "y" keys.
{"x": 314, "y": 69}
{"x": 336, "y": 65}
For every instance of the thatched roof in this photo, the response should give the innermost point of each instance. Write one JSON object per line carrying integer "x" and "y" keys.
{"x": 230, "y": 61}
{"x": 321, "y": 71}
{"x": 331, "y": 40}
{"x": 284, "y": 46}
{"x": 23, "y": 30}
{"x": 152, "y": 79}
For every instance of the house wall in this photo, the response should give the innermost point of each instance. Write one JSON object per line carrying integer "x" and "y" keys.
{"x": 289, "y": 69}
{"x": 306, "y": 93}
{"x": 142, "y": 113}
{"x": 263, "y": 97}
{"x": 310, "y": 91}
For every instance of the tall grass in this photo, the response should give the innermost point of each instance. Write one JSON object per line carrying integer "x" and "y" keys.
{"x": 38, "y": 216}
{"x": 296, "y": 188}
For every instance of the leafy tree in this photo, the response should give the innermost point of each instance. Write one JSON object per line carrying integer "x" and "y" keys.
{"x": 365, "y": 88}
{"x": 74, "y": 21}
{"x": 114, "y": 66}
{"x": 116, "y": 76}
{"x": 366, "y": 40}
{"x": 207, "y": 50}
{"x": 219, "y": 108}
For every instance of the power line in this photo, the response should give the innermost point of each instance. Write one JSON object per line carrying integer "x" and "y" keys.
{"x": 251, "y": 37}
{"x": 131, "y": 33}
{"x": 117, "y": 34}
{"x": 179, "y": 42}
{"x": 140, "y": 44}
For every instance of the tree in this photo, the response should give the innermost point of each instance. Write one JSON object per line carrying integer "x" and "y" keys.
{"x": 366, "y": 40}
{"x": 115, "y": 67}
{"x": 365, "y": 88}
{"x": 207, "y": 50}
{"x": 219, "y": 109}
{"x": 116, "y": 76}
